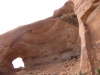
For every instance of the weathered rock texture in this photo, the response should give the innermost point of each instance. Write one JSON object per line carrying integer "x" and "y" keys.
{"x": 88, "y": 14}
{"x": 56, "y": 39}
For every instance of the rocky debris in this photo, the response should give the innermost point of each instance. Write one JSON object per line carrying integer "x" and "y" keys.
{"x": 72, "y": 28}
{"x": 52, "y": 40}
{"x": 52, "y": 69}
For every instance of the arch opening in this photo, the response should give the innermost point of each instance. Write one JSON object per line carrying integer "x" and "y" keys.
{"x": 18, "y": 63}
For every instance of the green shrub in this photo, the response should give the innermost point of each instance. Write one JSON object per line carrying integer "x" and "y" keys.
{"x": 80, "y": 72}
{"x": 98, "y": 72}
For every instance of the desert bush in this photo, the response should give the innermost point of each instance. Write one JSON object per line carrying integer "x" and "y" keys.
{"x": 98, "y": 72}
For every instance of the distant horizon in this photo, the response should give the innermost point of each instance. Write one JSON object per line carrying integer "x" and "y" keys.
{"x": 14, "y": 13}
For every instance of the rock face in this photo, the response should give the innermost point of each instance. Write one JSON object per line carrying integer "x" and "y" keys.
{"x": 72, "y": 28}
{"x": 88, "y": 14}
{"x": 54, "y": 39}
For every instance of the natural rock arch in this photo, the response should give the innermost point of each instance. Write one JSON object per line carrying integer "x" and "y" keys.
{"x": 57, "y": 35}
{"x": 52, "y": 38}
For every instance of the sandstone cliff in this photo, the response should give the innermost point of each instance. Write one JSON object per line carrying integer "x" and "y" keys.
{"x": 72, "y": 32}
{"x": 88, "y": 14}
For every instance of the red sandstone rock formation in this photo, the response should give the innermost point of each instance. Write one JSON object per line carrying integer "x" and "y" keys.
{"x": 88, "y": 14}
{"x": 56, "y": 39}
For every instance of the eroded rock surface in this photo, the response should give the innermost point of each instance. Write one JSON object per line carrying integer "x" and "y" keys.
{"x": 88, "y": 14}
{"x": 57, "y": 39}
{"x": 54, "y": 39}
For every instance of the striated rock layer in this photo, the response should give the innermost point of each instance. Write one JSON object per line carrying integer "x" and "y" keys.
{"x": 54, "y": 39}
{"x": 88, "y": 14}
{"x": 72, "y": 28}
